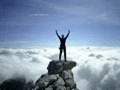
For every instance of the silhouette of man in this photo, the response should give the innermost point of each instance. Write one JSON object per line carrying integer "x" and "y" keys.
{"x": 62, "y": 44}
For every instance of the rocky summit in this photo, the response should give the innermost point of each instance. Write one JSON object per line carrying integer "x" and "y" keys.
{"x": 56, "y": 67}
{"x": 59, "y": 77}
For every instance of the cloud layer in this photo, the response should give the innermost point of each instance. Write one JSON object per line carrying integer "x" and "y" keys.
{"x": 97, "y": 68}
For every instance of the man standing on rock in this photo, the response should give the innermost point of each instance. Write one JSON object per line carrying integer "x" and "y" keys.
{"x": 62, "y": 44}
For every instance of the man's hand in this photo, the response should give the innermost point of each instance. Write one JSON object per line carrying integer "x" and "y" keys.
{"x": 68, "y": 30}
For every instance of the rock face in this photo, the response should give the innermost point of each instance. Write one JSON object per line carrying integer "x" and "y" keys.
{"x": 59, "y": 77}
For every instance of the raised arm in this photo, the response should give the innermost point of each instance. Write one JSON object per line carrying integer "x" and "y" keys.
{"x": 57, "y": 34}
{"x": 68, "y": 34}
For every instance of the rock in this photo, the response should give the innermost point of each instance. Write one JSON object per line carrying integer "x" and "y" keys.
{"x": 46, "y": 80}
{"x": 76, "y": 89}
{"x": 68, "y": 65}
{"x": 59, "y": 82}
{"x": 67, "y": 88}
{"x": 56, "y": 67}
{"x": 29, "y": 85}
{"x": 67, "y": 74}
{"x": 49, "y": 88}
{"x": 70, "y": 83}
{"x": 14, "y": 84}
{"x": 35, "y": 88}
{"x": 60, "y": 88}
{"x": 59, "y": 77}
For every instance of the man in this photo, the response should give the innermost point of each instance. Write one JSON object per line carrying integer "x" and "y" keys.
{"x": 62, "y": 44}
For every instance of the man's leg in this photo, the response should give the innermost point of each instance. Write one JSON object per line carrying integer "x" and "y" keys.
{"x": 60, "y": 54}
{"x": 65, "y": 53}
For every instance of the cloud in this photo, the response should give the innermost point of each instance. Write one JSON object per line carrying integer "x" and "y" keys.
{"x": 84, "y": 72}
{"x": 32, "y": 52}
{"x": 99, "y": 56}
{"x": 35, "y": 60}
{"x": 91, "y": 55}
{"x": 5, "y": 52}
{"x": 54, "y": 57}
{"x": 97, "y": 74}
{"x": 93, "y": 71}
{"x": 100, "y": 80}
{"x": 18, "y": 62}
{"x": 39, "y": 15}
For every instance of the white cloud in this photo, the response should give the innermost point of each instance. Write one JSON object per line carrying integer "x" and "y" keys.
{"x": 41, "y": 15}
{"x": 20, "y": 62}
{"x": 97, "y": 68}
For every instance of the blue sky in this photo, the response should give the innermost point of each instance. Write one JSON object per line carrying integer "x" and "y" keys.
{"x": 32, "y": 23}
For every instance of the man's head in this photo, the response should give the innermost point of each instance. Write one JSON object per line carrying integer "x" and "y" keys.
{"x": 62, "y": 36}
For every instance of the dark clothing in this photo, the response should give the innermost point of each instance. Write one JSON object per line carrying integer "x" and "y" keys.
{"x": 62, "y": 41}
{"x": 62, "y": 46}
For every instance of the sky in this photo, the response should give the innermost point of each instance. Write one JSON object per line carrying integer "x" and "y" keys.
{"x": 32, "y": 23}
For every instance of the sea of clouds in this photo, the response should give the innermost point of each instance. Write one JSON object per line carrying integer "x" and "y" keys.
{"x": 98, "y": 68}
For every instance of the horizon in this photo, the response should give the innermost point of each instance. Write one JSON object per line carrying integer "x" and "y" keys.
{"x": 57, "y": 47}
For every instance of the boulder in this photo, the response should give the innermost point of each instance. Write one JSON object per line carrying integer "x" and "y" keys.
{"x": 68, "y": 65}
{"x": 45, "y": 80}
{"x": 29, "y": 85}
{"x": 60, "y": 88}
{"x": 54, "y": 67}
{"x": 67, "y": 88}
{"x": 59, "y": 82}
{"x": 57, "y": 67}
{"x": 70, "y": 83}
{"x": 49, "y": 88}
{"x": 67, "y": 74}
{"x": 14, "y": 84}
